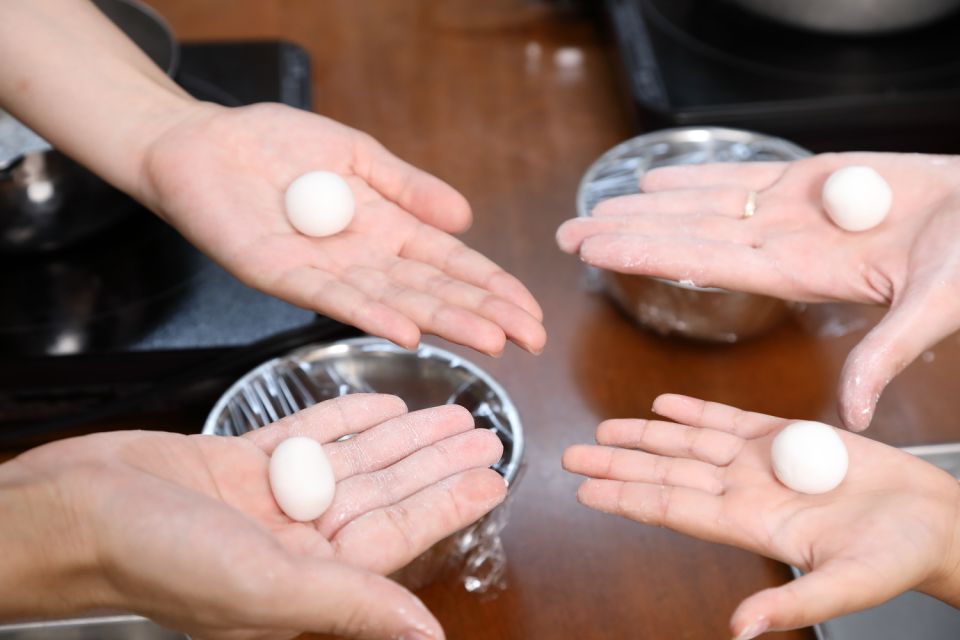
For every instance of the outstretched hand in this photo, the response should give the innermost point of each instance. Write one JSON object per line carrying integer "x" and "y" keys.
{"x": 185, "y": 530}
{"x": 689, "y": 225}
{"x": 218, "y": 175}
{"x": 891, "y": 526}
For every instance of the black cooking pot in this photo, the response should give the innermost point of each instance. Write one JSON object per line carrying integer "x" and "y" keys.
{"x": 40, "y": 188}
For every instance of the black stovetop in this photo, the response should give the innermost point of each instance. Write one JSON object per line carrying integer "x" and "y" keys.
{"x": 136, "y": 315}
{"x": 707, "y": 62}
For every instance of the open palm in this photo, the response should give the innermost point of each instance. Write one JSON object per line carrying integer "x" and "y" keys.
{"x": 219, "y": 177}
{"x": 889, "y": 527}
{"x": 688, "y": 224}
{"x": 189, "y": 534}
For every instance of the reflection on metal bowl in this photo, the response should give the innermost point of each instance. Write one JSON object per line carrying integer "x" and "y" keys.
{"x": 850, "y": 17}
{"x": 424, "y": 378}
{"x": 673, "y": 307}
{"x": 703, "y": 313}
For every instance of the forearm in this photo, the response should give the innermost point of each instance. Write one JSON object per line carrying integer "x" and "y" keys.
{"x": 48, "y": 566}
{"x": 77, "y": 80}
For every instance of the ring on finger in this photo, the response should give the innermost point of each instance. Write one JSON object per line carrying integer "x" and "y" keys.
{"x": 750, "y": 206}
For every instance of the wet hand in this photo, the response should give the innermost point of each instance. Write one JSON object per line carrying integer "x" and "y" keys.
{"x": 891, "y": 526}
{"x": 185, "y": 529}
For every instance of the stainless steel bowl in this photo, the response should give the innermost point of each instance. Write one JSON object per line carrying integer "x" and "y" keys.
{"x": 424, "y": 378}
{"x": 852, "y": 16}
{"x": 682, "y": 308}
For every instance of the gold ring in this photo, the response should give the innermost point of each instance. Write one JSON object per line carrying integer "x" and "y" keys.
{"x": 750, "y": 207}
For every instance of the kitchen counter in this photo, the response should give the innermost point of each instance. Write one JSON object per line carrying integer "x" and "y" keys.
{"x": 510, "y": 101}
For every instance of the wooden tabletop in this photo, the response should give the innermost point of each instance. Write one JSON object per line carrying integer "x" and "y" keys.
{"x": 510, "y": 101}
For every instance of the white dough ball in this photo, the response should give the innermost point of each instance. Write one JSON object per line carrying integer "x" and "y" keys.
{"x": 857, "y": 198}
{"x": 319, "y": 203}
{"x": 301, "y": 478}
{"x": 809, "y": 457}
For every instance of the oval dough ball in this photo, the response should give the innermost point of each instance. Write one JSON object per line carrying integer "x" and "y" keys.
{"x": 857, "y": 198}
{"x": 809, "y": 457}
{"x": 319, "y": 203}
{"x": 301, "y": 478}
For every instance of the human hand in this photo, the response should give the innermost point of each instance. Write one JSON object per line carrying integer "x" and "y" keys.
{"x": 889, "y": 527}
{"x": 688, "y": 224}
{"x": 218, "y": 175}
{"x": 185, "y": 530}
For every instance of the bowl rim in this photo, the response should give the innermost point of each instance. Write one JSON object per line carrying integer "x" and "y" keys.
{"x": 318, "y": 351}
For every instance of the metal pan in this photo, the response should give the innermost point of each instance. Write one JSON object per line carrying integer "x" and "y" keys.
{"x": 40, "y": 187}
{"x": 852, "y": 17}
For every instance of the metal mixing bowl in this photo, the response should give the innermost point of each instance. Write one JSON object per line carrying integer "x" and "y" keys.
{"x": 682, "y": 308}
{"x": 424, "y": 378}
{"x": 852, "y": 16}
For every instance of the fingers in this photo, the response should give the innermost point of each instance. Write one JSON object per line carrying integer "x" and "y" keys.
{"x": 689, "y": 511}
{"x": 386, "y": 539}
{"x": 753, "y": 176}
{"x": 428, "y": 198}
{"x": 516, "y": 322}
{"x": 313, "y": 595}
{"x": 667, "y": 439}
{"x": 709, "y": 264}
{"x": 330, "y": 420}
{"x": 363, "y": 493}
{"x": 373, "y": 301}
{"x": 610, "y": 463}
{"x": 713, "y": 415}
{"x": 321, "y": 291}
{"x": 832, "y": 590}
{"x": 393, "y": 440}
{"x": 431, "y": 314}
{"x": 723, "y": 201}
{"x": 707, "y": 228}
{"x": 457, "y": 260}
{"x": 915, "y": 323}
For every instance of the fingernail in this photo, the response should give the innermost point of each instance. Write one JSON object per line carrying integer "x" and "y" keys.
{"x": 753, "y": 630}
{"x": 416, "y": 635}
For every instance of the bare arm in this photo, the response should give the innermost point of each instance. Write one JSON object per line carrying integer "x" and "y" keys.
{"x": 83, "y": 85}
{"x": 218, "y": 176}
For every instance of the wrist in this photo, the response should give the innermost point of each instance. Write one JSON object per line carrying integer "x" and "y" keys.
{"x": 944, "y": 583}
{"x": 156, "y": 135}
{"x": 50, "y": 567}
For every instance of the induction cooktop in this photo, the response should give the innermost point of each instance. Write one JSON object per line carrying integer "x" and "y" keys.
{"x": 708, "y": 62}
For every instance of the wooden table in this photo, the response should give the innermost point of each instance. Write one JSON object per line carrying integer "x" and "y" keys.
{"x": 510, "y": 101}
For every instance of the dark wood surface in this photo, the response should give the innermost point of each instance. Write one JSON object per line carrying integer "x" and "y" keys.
{"x": 510, "y": 101}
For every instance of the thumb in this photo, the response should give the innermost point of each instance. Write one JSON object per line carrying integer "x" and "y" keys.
{"x": 831, "y": 590}
{"x": 321, "y": 596}
{"x": 917, "y": 322}
{"x": 425, "y": 196}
